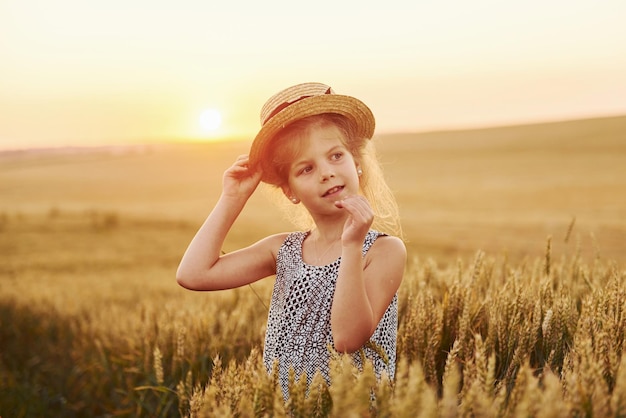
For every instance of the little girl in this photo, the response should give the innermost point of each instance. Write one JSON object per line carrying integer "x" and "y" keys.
{"x": 337, "y": 279}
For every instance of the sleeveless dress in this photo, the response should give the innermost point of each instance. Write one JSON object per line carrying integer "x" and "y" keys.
{"x": 298, "y": 332}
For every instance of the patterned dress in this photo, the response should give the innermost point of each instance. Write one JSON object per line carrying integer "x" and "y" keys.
{"x": 298, "y": 327}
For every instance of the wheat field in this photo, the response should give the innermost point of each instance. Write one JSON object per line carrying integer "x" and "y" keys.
{"x": 513, "y": 302}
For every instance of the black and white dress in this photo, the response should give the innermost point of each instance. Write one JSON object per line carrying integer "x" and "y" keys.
{"x": 298, "y": 326}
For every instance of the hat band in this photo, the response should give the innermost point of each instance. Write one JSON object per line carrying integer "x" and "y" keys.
{"x": 284, "y": 105}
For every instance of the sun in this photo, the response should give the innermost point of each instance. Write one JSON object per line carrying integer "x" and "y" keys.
{"x": 210, "y": 120}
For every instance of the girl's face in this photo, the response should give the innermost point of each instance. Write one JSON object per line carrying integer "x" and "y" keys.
{"x": 323, "y": 170}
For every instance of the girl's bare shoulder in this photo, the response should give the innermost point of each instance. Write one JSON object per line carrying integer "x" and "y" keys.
{"x": 273, "y": 242}
{"x": 390, "y": 242}
{"x": 388, "y": 247}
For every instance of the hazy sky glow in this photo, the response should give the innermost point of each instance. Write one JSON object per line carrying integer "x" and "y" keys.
{"x": 94, "y": 72}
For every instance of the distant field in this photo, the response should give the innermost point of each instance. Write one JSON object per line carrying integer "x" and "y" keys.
{"x": 502, "y": 190}
{"x": 92, "y": 322}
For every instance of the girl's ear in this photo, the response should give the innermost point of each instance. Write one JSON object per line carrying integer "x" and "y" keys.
{"x": 290, "y": 196}
{"x": 286, "y": 190}
{"x": 359, "y": 171}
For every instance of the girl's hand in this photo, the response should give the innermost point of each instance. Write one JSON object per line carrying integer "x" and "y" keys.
{"x": 359, "y": 220}
{"x": 239, "y": 181}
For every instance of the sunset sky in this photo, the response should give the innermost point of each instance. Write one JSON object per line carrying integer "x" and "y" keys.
{"x": 109, "y": 72}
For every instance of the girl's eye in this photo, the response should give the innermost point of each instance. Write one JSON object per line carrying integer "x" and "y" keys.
{"x": 306, "y": 169}
{"x": 337, "y": 155}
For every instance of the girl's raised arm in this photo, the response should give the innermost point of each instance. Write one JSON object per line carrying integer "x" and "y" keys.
{"x": 365, "y": 286}
{"x": 202, "y": 266}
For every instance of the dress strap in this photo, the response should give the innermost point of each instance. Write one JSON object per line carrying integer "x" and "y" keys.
{"x": 370, "y": 238}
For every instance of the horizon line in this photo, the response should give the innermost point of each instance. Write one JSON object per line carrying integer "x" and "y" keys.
{"x": 180, "y": 140}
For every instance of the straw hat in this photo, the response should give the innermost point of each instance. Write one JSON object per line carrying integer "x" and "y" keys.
{"x": 301, "y": 101}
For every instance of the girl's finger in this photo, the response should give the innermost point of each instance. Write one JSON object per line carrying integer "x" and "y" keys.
{"x": 355, "y": 204}
{"x": 359, "y": 211}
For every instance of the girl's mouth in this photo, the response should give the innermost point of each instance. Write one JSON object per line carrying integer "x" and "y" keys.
{"x": 333, "y": 191}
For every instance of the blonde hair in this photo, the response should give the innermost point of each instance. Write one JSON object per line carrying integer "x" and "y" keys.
{"x": 372, "y": 182}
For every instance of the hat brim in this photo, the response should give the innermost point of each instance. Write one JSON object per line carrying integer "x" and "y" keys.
{"x": 353, "y": 109}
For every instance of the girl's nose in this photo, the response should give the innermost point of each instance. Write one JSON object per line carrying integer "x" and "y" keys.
{"x": 327, "y": 174}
